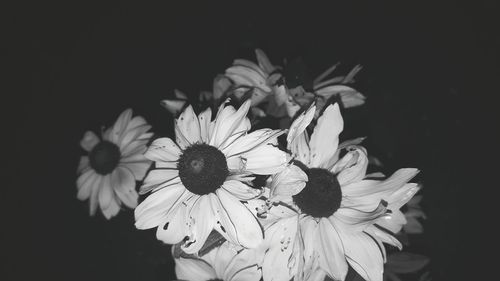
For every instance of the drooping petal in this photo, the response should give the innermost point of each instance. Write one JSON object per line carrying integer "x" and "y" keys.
{"x": 89, "y": 140}
{"x": 156, "y": 206}
{"x": 299, "y": 125}
{"x": 193, "y": 269}
{"x": 352, "y": 167}
{"x": 288, "y": 182}
{"x": 308, "y": 237}
{"x": 240, "y": 226}
{"x": 355, "y": 220}
{"x": 325, "y": 137}
{"x": 265, "y": 160}
{"x": 200, "y": 224}
{"x": 392, "y": 222}
{"x": 123, "y": 183}
{"x": 331, "y": 249}
{"x": 163, "y": 150}
{"x": 189, "y": 125}
{"x": 241, "y": 190}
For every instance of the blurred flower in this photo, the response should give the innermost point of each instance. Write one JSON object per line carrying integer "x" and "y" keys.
{"x": 334, "y": 212}
{"x": 227, "y": 262}
{"x": 404, "y": 263}
{"x": 412, "y": 214}
{"x": 176, "y": 105}
{"x": 199, "y": 180}
{"x": 114, "y": 162}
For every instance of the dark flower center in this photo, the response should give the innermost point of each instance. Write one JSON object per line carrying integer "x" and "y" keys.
{"x": 202, "y": 168}
{"x": 322, "y": 195}
{"x": 104, "y": 157}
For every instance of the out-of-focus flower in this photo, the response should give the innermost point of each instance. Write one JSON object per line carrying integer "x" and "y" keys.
{"x": 404, "y": 263}
{"x": 412, "y": 214}
{"x": 114, "y": 162}
{"x": 334, "y": 212}
{"x": 199, "y": 179}
{"x": 177, "y": 104}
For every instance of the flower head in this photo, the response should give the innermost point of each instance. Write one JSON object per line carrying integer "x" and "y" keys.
{"x": 114, "y": 162}
{"x": 335, "y": 211}
{"x": 200, "y": 179}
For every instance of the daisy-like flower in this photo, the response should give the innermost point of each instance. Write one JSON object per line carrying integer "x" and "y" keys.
{"x": 114, "y": 162}
{"x": 199, "y": 180}
{"x": 225, "y": 263}
{"x": 335, "y": 211}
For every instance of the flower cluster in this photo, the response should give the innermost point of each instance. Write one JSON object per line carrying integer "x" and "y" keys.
{"x": 293, "y": 202}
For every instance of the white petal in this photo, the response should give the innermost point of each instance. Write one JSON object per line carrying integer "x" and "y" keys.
{"x": 248, "y": 273}
{"x": 352, "y": 167}
{"x": 193, "y": 269}
{"x": 134, "y": 133}
{"x": 356, "y": 220}
{"x": 173, "y": 228}
{"x": 393, "y": 222}
{"x": 300, "y": 124}
{"x": 120, "y": 125}
{"x": 288, "y": 182}
{"x": 173, "y": 106}
{"x": 200, "y": 224}
{"x": 331, "y": 251}
{"x": 89, "y": 140}
{"x": 364, "y": 255}
{"x": 189, "y": 125}
{"x": 240, "y": 224}
{"x": 123, "y": 183}
{"x": 309, "y": 236}
{"x": 105, "y": 192}
{"x": 157, "y": 177}
{"x": 280, "y": 238}
{"x": 251, "y": 141}
{"x": 228, "y": 123}
{"x": 265, "y": 160}
{"x": 156, "y": 206}
{"x": 85, "y": 183}
{"x": 163, "y": 150}
{"x": 112, "y": 209}
{"x": 138, "y": 169}
{"x": 325, "y": 138}
{"x": 241, "y": 190}
{"x": 205, "y": 119}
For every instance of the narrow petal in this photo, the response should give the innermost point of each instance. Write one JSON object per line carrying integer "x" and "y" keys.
{"x": 156, "y": 206}
{"x": 94, "y": 194}
{"x": 120, "y": 125}
{"x": 355, "y": 220}
{"x": 123, "y": 183}
{"x": 239, "y": 222}
{"x": 331, "y": 250}
{"x": 193, "y": 269}
{"x": 158, "y": 177}
{"x": 200, "y": 224}
{"x": 105, "y": 192}
{"x": 265, "y": 160}
{"x": 189, "y": 125}
{"x": 241, "y": 190}
{"x": 163, "y": 150}
{"x": 85, "y": 184}
{"x": 229, "y": 122}
{"x": 300, "y": 124}
{"x": 204, "y": 119}
{"x": 89, "y": 140}
{"x": 325, "y": 138}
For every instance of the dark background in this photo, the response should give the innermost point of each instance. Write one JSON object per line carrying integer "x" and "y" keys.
{"x": 429, "y": 75}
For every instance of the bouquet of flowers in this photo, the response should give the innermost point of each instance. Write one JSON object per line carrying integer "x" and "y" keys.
{"x": 258, "y": 183}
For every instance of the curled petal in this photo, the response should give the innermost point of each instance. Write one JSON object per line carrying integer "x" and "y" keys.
{"x": 325, "y": 138}
{"x": 288, "y": 182}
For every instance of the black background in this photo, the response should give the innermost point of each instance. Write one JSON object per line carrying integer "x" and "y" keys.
{"x": 429, "y": 75}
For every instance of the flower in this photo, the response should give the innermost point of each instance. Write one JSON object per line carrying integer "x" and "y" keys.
{"x": 226, "y": 262}
{"x": 332, "y": 219}
{"x": 199, "y": 180}
{"x": 114, "y": 162}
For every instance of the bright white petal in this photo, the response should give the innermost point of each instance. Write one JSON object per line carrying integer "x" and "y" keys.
{"x": 364, "y": 255}
{"x": 248, "y": 273}
{"x": 204, "y": 119}
{"x": 123, "y": 183}
{"x": 89, "y": 140}
{"x": 265, "y": 160}
{"x": 357, "y": 220}
{"x": 299, "y": 125}
{"x": 250, "y": 141}
{"x": 163, "y": 150}
{"x": 230, "y": 122}
{"x": 352, "y": 167}
{"x": 288, "y": 182}
{"x": 189, "y": 125}
{"x": 393, "y": 222}
{"x": 200, "y": 224}
{"x": 158, "y": 177}
{"x": 173, "y": 228}
{"x": 241, "y": 190}
{"x": 239, "y": 223}
{"x": 331, "y": 250}
{"x": 325, "y": 138}
{"x": 193, "y": 269}
{"x": 156, "y": 206}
